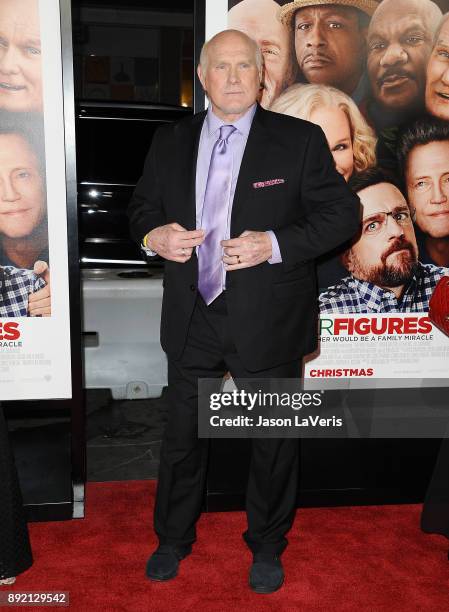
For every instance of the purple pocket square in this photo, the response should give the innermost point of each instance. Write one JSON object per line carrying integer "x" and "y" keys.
{"x": 269, "y": 183}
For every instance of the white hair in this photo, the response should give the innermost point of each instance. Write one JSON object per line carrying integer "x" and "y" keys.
{"x": 204, "y": 55}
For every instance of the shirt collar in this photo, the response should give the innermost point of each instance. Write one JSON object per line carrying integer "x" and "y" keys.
{"x": 242, "y": 125}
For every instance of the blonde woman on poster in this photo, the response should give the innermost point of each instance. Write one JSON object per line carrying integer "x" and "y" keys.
{"x": 351, "y": 140}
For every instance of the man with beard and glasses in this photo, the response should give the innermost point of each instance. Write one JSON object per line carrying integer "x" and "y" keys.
{"x": 399, "y": 43}
{"x": 385, "y": 274}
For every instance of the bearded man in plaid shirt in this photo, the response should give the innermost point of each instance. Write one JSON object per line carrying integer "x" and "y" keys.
{"x": 16, "y": 285}
{"x": 385, "y": 274}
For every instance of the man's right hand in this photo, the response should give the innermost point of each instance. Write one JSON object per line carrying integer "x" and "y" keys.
{"x": 174, "y": 242}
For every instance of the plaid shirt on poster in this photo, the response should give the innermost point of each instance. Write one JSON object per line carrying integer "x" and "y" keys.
{"x": 351, "y": 295}
{"x": 15, "y": 286}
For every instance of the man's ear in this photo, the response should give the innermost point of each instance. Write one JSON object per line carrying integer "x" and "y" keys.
{"x": 201, "y": 77}
{"x": 345, "y": 259}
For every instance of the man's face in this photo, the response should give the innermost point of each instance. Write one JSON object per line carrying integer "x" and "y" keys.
{"x": 22, "y": 202}
{"x": 337, "y": 130}
{"x": 427, "y": 177}
{"x": 437, "y": 86}
{"x": 230, "y": 78}
{"x": 258, "y": 19}
{"x": 330, "y": 46}
{"x": 20, "y": 56}
{"x": 385, "y": 253}
{"x": 399, "y": 45}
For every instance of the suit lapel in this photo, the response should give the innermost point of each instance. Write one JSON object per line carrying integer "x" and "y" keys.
{"x": 188, "y": 151}
{"x": 251, "y": 166}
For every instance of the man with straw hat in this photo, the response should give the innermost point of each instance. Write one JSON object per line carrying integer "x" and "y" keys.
{"x": 330, "y": 41}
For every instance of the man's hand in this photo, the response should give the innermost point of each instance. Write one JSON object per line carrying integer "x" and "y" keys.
{"x": 39, "y": 303}
{"x": 174, "y": 242}
{"x": 249, "y": 249}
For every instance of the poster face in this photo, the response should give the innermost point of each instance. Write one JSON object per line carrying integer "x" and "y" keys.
{"x": 373, "y": 76}
{"x": 34, "y": 310}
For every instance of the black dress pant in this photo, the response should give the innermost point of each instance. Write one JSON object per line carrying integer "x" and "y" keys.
{"x": 272, "y": 486}
{"x": 15, "y": 550}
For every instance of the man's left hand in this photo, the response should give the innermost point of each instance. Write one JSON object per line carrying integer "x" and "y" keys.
{"x": 39, "y": 303}
{"x": 249, "y": 249}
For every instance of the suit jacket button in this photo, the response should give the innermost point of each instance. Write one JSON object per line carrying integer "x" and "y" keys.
{"x": 192, "y": 288}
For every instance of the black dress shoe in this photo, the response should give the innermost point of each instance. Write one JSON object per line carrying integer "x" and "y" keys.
{"x": 266, "y": 574}
{"x": 164, "y": 562}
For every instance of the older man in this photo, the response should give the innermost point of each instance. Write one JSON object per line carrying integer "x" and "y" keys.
{"x": 239, "y": 201}
{"x": 423, "y": 153}
{"x": 258, "y": 19}
{"x": 437, "y": 79}
{"x": 385, "y": 274}
{"x": 330, "y": 41}
{"x": 399, "y": 41}
{"x": 20, "y": 56}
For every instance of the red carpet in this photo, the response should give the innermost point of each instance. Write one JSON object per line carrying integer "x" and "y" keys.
{"x": 365, "y": 558}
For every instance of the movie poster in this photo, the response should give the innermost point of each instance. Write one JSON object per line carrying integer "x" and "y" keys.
{"x": 34, "y": 306}
{"x": 375, "y": 77}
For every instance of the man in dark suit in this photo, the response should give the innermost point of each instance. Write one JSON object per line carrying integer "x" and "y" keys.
{"x": 239, "y": 201}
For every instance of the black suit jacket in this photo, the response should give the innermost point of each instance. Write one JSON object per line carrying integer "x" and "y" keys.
{"x": 272, "y": 307}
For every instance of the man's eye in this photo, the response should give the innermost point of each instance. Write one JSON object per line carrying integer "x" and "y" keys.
{"x": 372, "y": 226}
{"x": 421, "y": 185}
{"x": 400, "y": 216}
{"x": 376, "y": 46}
{"x": 303, "y": 26}
{"x": 23, "y": 174}
{"x": 3, "y": 42}
{"x": 443, "y": 53}
{"x": 413, "y": 40}
{"x": 33, "y": 50}
{"x": 269, "y": 52}
{"x": 334, "y": 25}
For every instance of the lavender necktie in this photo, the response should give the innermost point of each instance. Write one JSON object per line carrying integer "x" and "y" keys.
{"x": 214, "y": 217}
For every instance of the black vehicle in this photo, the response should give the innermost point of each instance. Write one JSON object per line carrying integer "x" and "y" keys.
{"x": 112, "y": 141}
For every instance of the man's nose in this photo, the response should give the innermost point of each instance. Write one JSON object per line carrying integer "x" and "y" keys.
{"x": 7, "y": 191}
{"x": 438, "y": 196}
{"x": 316, "y": 36}
{"x": 234, "y": 76}
{"x": 394, "y": 54}
{"x": 393, "y": 228}
{"x": 445, "y": 77}
{"x": 9, "y": 61}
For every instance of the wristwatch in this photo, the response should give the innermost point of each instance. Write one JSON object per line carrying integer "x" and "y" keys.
{"x": 146, "y": 249}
